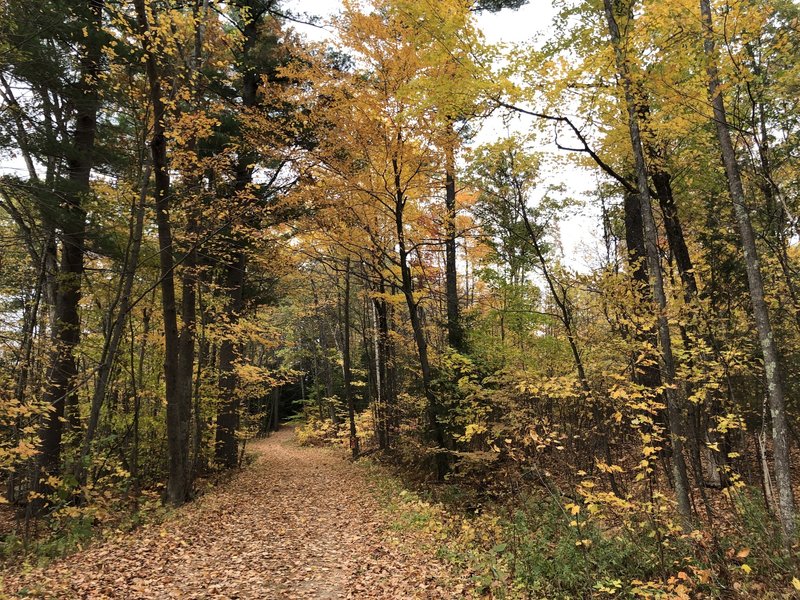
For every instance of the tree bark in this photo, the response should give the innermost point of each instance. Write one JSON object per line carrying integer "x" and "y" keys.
{"x": 680, "y": 477}
{"x": 178, "y": 406}
{"x": 455, "y": 332}
{"x": 769, "y": 350}
{"x": 662, "y": 181}
{"x": 66, "y": 318}
{"x": 226, "y": 451}
{"x": 383, "y": 369}
{"x": 435, "y": 431}
{"x": 346, "y": 369}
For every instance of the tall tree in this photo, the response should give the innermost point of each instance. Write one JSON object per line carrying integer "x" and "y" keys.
{"x": 63, "y": 372}
{"x": 251, "y": 16}
{"x": 681, "y": 480}
{"x": 178, "y": 403}
{"x": 766, "y": 338}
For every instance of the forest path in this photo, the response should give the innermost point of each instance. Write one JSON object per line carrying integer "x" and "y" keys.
{"x": 298, "y": 523}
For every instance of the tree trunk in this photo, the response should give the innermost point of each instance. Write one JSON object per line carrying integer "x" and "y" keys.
{"x": 455, "y": 333}
{"x": 755, "y": 282}
{"x": 646, "y": 375}
{"x": 662, "y": 181}
{"x": 226, "y": 451}
{"x": 346, "y": 370}
{"x": 186, "y": 339}
{"x": 435, "y": 431}
{"x": 378, "y": 325}
{"x": 680, "y": 477}
{"x": 24, "y": 364}
{"x": 178, "y": 407}
{"x": 115, "y": 331}
{"x": 66, "y": 319}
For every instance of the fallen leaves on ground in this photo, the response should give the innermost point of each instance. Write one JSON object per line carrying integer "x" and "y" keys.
{"x": 298, "y": 523}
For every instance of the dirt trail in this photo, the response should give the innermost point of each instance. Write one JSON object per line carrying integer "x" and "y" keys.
{"x": 298, "y": 523}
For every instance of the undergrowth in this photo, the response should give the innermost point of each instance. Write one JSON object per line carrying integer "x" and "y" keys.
{"x": 532, "y": 550}
{"x": 543, "y": 545}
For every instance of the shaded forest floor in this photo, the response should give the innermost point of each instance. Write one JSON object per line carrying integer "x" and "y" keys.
{"x": 297, "y": 523}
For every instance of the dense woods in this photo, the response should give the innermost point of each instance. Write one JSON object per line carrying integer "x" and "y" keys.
{"x": 211, "y": 225}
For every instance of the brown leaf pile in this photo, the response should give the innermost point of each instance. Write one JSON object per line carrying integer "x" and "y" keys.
{"x": 299, "y": 523}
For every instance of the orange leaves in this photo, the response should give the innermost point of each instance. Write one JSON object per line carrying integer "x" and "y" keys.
{"x": 376, "y": 172}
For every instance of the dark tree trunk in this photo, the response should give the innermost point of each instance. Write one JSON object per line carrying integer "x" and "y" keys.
{"x": 646, "y": 375}
{"x": 186, "y": 339}
{"x": 435, "y": 429}
{"x": 178, "y": 405}
{"x": 662, "y": 181}
{"x": 634, "y": 239}
{"x": 62, "y": 373}
{"x": 383, "y": 367}
{"x": 455, "y": 332}
{"x": 227, "y": 452}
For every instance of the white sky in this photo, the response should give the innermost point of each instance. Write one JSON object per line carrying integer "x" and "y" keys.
{"x": 581, "y": 234}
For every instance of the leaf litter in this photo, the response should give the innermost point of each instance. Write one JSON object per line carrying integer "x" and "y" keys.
{"x": 300, "y": 523}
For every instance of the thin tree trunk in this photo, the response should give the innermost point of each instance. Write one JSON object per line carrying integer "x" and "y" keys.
{"x": 178, "y": 409}
{"x": 565, "y": 316}
{"x": 761, "y": 451}
{"x": 348, "y": 391}
{"x": 769, "y": 350}
{"x": 680, "y": 477}
{"x": 435, "y": 430}
{"x": 204, "y": 353}
{"x": 24, "y": 363}
{"x": 112, "y": 341}
{"x": 186, "y": 340}
{"x": 455, "y": 332}
{"x": 382, "y": 424}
